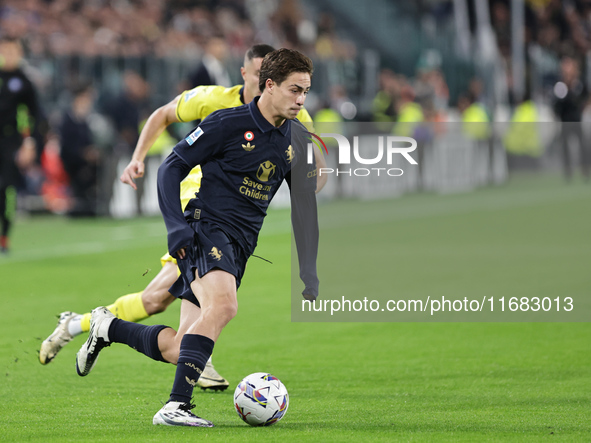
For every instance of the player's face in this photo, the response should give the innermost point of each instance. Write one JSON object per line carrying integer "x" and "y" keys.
{"x": 289, "y": 97}
{"x": 250, "y": 74}
{"x": 10, "y": 55}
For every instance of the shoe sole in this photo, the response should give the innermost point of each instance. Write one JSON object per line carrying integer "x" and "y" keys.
{"x": 212, "y": 383}
{"x": 86, "y": 371}
{"x": 161, "y": 420}
{"x": 98, "y": 347}
{"x": 214, "y": 388}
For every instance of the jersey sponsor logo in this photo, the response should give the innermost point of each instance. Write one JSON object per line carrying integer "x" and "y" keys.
{"x": 193, "y": 136}
{"x": 266, "y": 171}
{"x": 289, "y": 153}
{"x": 15, "y": 84}
{"x": 248, "y": 147}
{"x": 216, "y": 253}
{"x": 248, "y": 136}
{"x": 254, "y": 189}
{"x": 189, "y": 95}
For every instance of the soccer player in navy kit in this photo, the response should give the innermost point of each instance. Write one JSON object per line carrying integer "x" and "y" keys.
{"x": 245, "y": 154}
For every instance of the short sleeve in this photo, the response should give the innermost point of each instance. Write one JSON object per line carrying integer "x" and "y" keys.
{"x": 190, "y": 105}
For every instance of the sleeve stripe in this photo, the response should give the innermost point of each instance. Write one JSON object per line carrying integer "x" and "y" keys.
{"x": 178, "y": 104}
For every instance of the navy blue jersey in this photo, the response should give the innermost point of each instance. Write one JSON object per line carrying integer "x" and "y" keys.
{"x": 244, "y": 160}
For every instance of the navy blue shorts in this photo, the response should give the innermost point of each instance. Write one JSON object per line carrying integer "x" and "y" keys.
{"x": 212, "y": 249}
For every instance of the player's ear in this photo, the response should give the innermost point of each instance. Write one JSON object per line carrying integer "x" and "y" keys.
{"x": 243, "y": 73}
{"x": 269, "y": 85}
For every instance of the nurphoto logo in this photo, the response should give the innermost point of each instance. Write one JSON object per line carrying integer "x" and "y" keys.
{"x": 387, "y": 147}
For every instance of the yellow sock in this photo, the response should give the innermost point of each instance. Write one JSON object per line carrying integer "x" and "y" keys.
{"x": 129, "y": 307}
{"x": 85, "y": 322}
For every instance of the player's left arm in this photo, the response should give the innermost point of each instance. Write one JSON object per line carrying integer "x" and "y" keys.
{"x": 197, "y": 148}
{"x": 304, "y": 218}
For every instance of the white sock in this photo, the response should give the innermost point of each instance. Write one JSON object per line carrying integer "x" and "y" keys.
{"x": 75, "y": 326}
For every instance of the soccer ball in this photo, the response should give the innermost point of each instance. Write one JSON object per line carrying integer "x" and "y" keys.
{"x": 261, "y": 399}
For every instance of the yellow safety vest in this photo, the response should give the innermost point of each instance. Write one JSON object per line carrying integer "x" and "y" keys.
{"x": 523, "y": 137}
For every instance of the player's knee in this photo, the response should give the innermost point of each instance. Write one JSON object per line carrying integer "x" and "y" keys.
{"x": 229, "y": 310}
{"x": 156, "y": 303}
{"x": 226, "y": 308}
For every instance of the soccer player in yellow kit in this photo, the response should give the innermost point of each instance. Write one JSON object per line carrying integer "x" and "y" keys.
{"x": 194, "y": 104}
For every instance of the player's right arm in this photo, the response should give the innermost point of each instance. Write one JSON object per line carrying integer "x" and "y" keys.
{"x": 155, "y": 125}
{"x": 170, "y": 174}
{"x": 196, "y": 149}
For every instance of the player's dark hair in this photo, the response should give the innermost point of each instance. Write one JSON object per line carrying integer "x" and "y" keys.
{"x": 258, "y": 51}
{"x": 80, "y": 88}
{"x": 9, "y": 39}
{"x": 278, "y": 65}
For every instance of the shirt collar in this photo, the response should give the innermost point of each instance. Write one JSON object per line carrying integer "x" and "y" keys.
{"x": 262, "y": 122}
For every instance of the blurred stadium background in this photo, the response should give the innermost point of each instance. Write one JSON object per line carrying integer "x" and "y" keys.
{"x": 491, "y": 88}
{"x": 429, "y": 61}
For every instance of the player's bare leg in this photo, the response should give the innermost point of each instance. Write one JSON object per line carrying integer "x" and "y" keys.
{"x": 219, "y": 305}
{"x": 193, "y": 344}
{"x": 216, "y": 293}
{"x": 156, "y": 298}
{"x": 132, "y": 307}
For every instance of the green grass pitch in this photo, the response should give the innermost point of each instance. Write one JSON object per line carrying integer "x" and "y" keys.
{"x": 347, "y": 381}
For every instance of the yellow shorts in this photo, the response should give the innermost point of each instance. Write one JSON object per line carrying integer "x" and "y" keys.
{"x": 167, "y": 258}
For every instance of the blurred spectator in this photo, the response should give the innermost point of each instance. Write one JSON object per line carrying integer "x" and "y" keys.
{"x": 409, "y": 112}
{"x": 126, "y": 109}
{"x": 522, "y": 140}
{"x": 78, "y": 153}
{"x": 384, "y": 103}
{"x": 124, "y": 28}
{"x": 55, "y": 190}
{"x": 475, "y": 117}
{"x": 126, "y": 112}
{"x": 501, "y": 22}
{"x": 570, "y": 98}
{"x": 286, "y": 20}
{"x": 18, "y": 103}
{"x": 431, "y": 87}
{"x": 212, "y": 70}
